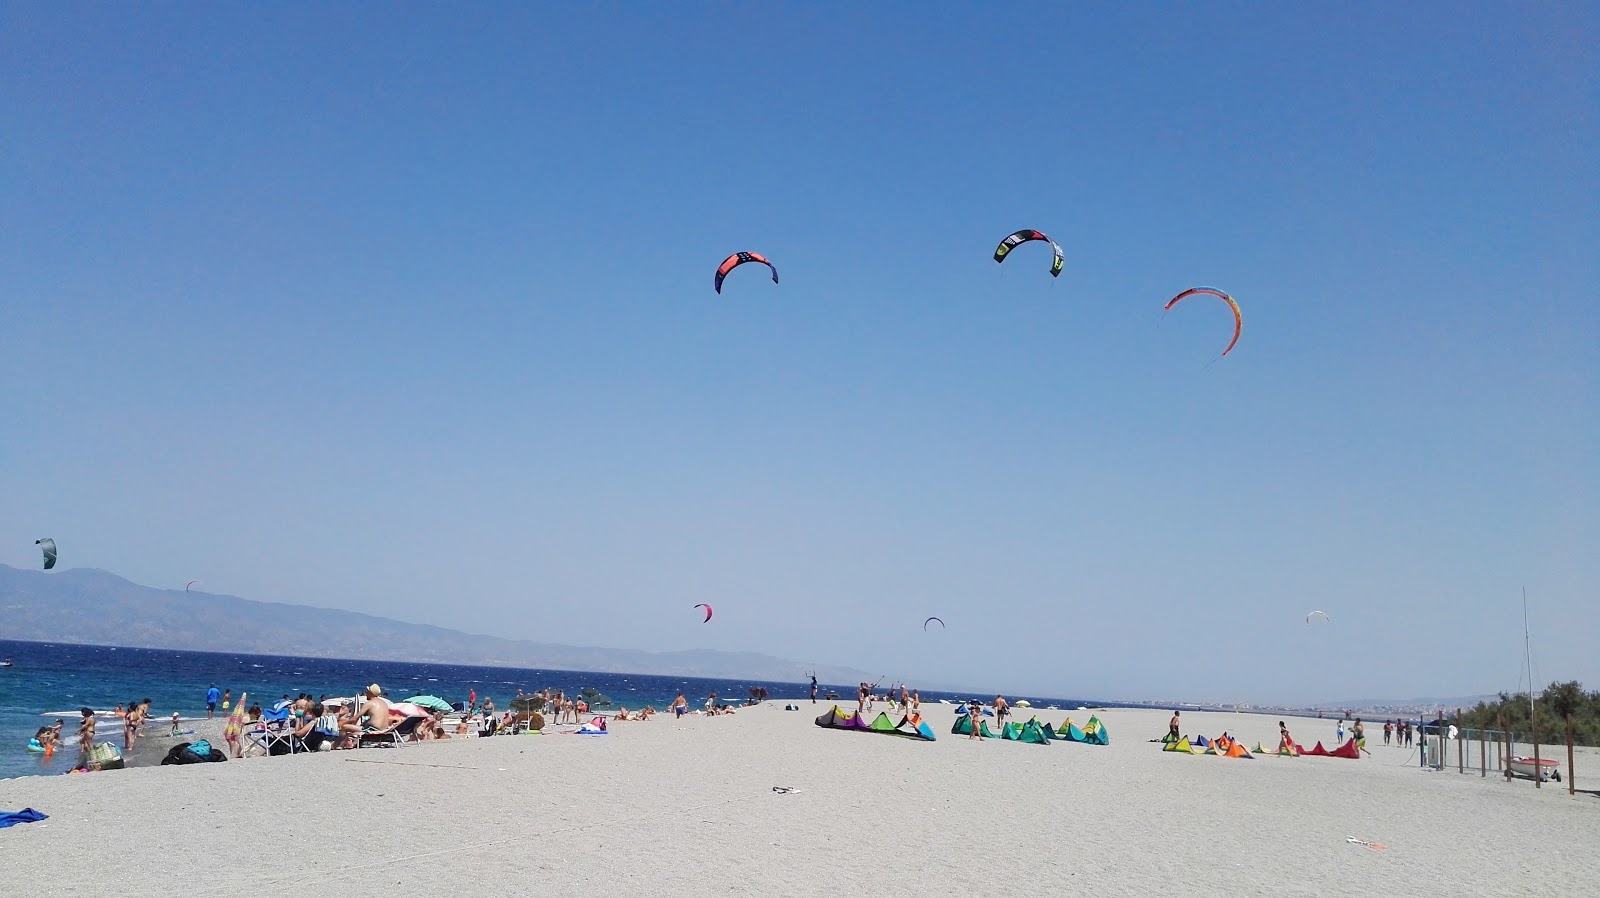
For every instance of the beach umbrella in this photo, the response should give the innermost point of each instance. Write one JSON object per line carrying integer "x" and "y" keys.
{"x": 1024, "y": 704}
{"x": 235, "y": 725}
{"x": 527, "y": 703}
{"x": 431, "y": 702}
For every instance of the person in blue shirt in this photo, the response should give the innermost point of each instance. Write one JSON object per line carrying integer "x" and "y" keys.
{"x": 213, "y": 695}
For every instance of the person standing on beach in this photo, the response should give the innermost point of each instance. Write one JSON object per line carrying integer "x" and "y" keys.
{"x": 1001, "y": 709}
{"x": 974, "y": 721}
{"x": 813, "y": 689}
{"x": 227, "y": 698}
{"x": 1172, "y": 727}
{"x": 861, "y": 702}
{"x": 1388, "y": 731}
{"x": 85, "y": 737}
{"x": 130, "y": 725}
{"x": 213, "y": 695}
{"x": 1359, "y": 733}
{"x": 1285, "y": 741}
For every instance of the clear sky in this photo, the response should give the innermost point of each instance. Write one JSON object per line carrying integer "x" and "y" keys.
{"x": 409, "y": 312}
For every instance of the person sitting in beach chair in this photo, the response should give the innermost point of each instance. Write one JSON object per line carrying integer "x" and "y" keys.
{"x": 372, "y": 717}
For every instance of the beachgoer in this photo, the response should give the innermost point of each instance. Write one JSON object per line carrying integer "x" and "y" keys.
{"x": 175, "y": 731}
{"x": 472, "y": 700}
{"x": 1359, "y": 733}
{"x": 85, "y": 737}
{"x": 1340, "y": 731}
{"x": 1172, "y": 727}
{"x": 1001, "y": 710}
{"x": 711, "y": 701}
{"x": 1388, "y": 731}
{"x": 974, "y": 722}
{"x": 916, "y": 702}
{"x": 813, "y": 689}
{"x": 119, "y": 712}
{"x": 213, "y": 695}
{"x": 227, "y": 698}
{"x": 680, "y": 705}
{"x": 130, "y": 725}
{"x": 865, "y": 691}
{"x": 1285, "y": 742}
{"x": 372, "y": 718}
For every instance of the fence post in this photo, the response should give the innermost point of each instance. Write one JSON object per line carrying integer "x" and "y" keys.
{"x": 1483, "y": 758}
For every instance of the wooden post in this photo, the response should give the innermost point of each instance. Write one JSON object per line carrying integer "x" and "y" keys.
{"x": 1538, "y": 769}
{"x": 1461, "y": 746}
{"x": 1483, "y": 756}
{"x": 1572, "y": 781}
{"x": 1506, "y": 761}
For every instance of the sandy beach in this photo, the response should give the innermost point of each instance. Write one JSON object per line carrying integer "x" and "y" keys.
{"x": 687, "y": 807}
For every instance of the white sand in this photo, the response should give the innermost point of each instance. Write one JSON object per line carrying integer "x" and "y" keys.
{"x": 687, "y": 808}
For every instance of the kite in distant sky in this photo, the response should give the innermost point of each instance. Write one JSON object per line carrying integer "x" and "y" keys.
{"x": 1025, "y": 235}
{"x": 1238, "y": 317}
{"x": 737, "y": 259}
{"x": 1322, "y": 614}
{"x": 931, "y": 620}
{"x": 48, "y": 546}
{"x": 708, "y": 611}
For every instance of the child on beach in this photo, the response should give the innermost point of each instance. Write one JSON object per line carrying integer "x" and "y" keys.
{"x": 175, "y": 730}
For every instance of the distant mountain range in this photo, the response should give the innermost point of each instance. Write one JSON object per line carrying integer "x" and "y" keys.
{"x": 94, "y": 607}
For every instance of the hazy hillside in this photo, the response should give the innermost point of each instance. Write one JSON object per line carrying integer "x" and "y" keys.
{"x": 97, "y": 607}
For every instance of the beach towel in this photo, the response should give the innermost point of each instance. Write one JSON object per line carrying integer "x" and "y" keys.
{"x": 26, "y": 815}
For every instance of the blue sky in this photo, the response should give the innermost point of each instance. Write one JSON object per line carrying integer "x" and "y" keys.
{"x": 410, "y": 312}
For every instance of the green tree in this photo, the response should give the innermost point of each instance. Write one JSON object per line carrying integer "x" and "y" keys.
{"x": 1566, "y": 699}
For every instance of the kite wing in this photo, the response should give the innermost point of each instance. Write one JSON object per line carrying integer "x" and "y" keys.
{"x": 1238, "y": 317}
{"x": 931, "y": 620}
{"x": 737, "y": 259}
{"x": 708, "y": 611}
{"x": 48, "y": 546}
{"x": 1025, "y": 235}
{"x": 189, "y": 584}
{"x": 1322, "y": 614}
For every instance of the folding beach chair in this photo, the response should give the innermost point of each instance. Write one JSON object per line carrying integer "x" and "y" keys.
{"x": 399, "y": 734}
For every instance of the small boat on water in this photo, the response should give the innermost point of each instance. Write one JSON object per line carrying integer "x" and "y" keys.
{"x": 5, "y": 663}
{"x": 1547, "y": 768}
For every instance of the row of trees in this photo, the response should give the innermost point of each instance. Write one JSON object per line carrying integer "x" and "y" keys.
{"x": 1558, "y": 704}
{"x": 1565, "y": 714}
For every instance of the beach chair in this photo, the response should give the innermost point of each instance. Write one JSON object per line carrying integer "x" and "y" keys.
{"x": 267, "y": 732}
{"x": 396, "y": 735}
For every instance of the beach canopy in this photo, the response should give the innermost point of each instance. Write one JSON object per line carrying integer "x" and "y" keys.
{"x": 836, "y": 719}
{"x": 1347, "y": 750}
{"x": 1033, "y": 734}
{"x": 433, "y": 702}
{"x": 915, "y": 728}
{"x": 963, "y": 727}
{"x": 1094, "y": 732}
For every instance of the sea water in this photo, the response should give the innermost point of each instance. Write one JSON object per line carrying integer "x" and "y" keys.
{"x": 51, "y": 677}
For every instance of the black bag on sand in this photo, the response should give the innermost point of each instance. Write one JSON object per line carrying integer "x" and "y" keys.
{"x": 183, "y": 754}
